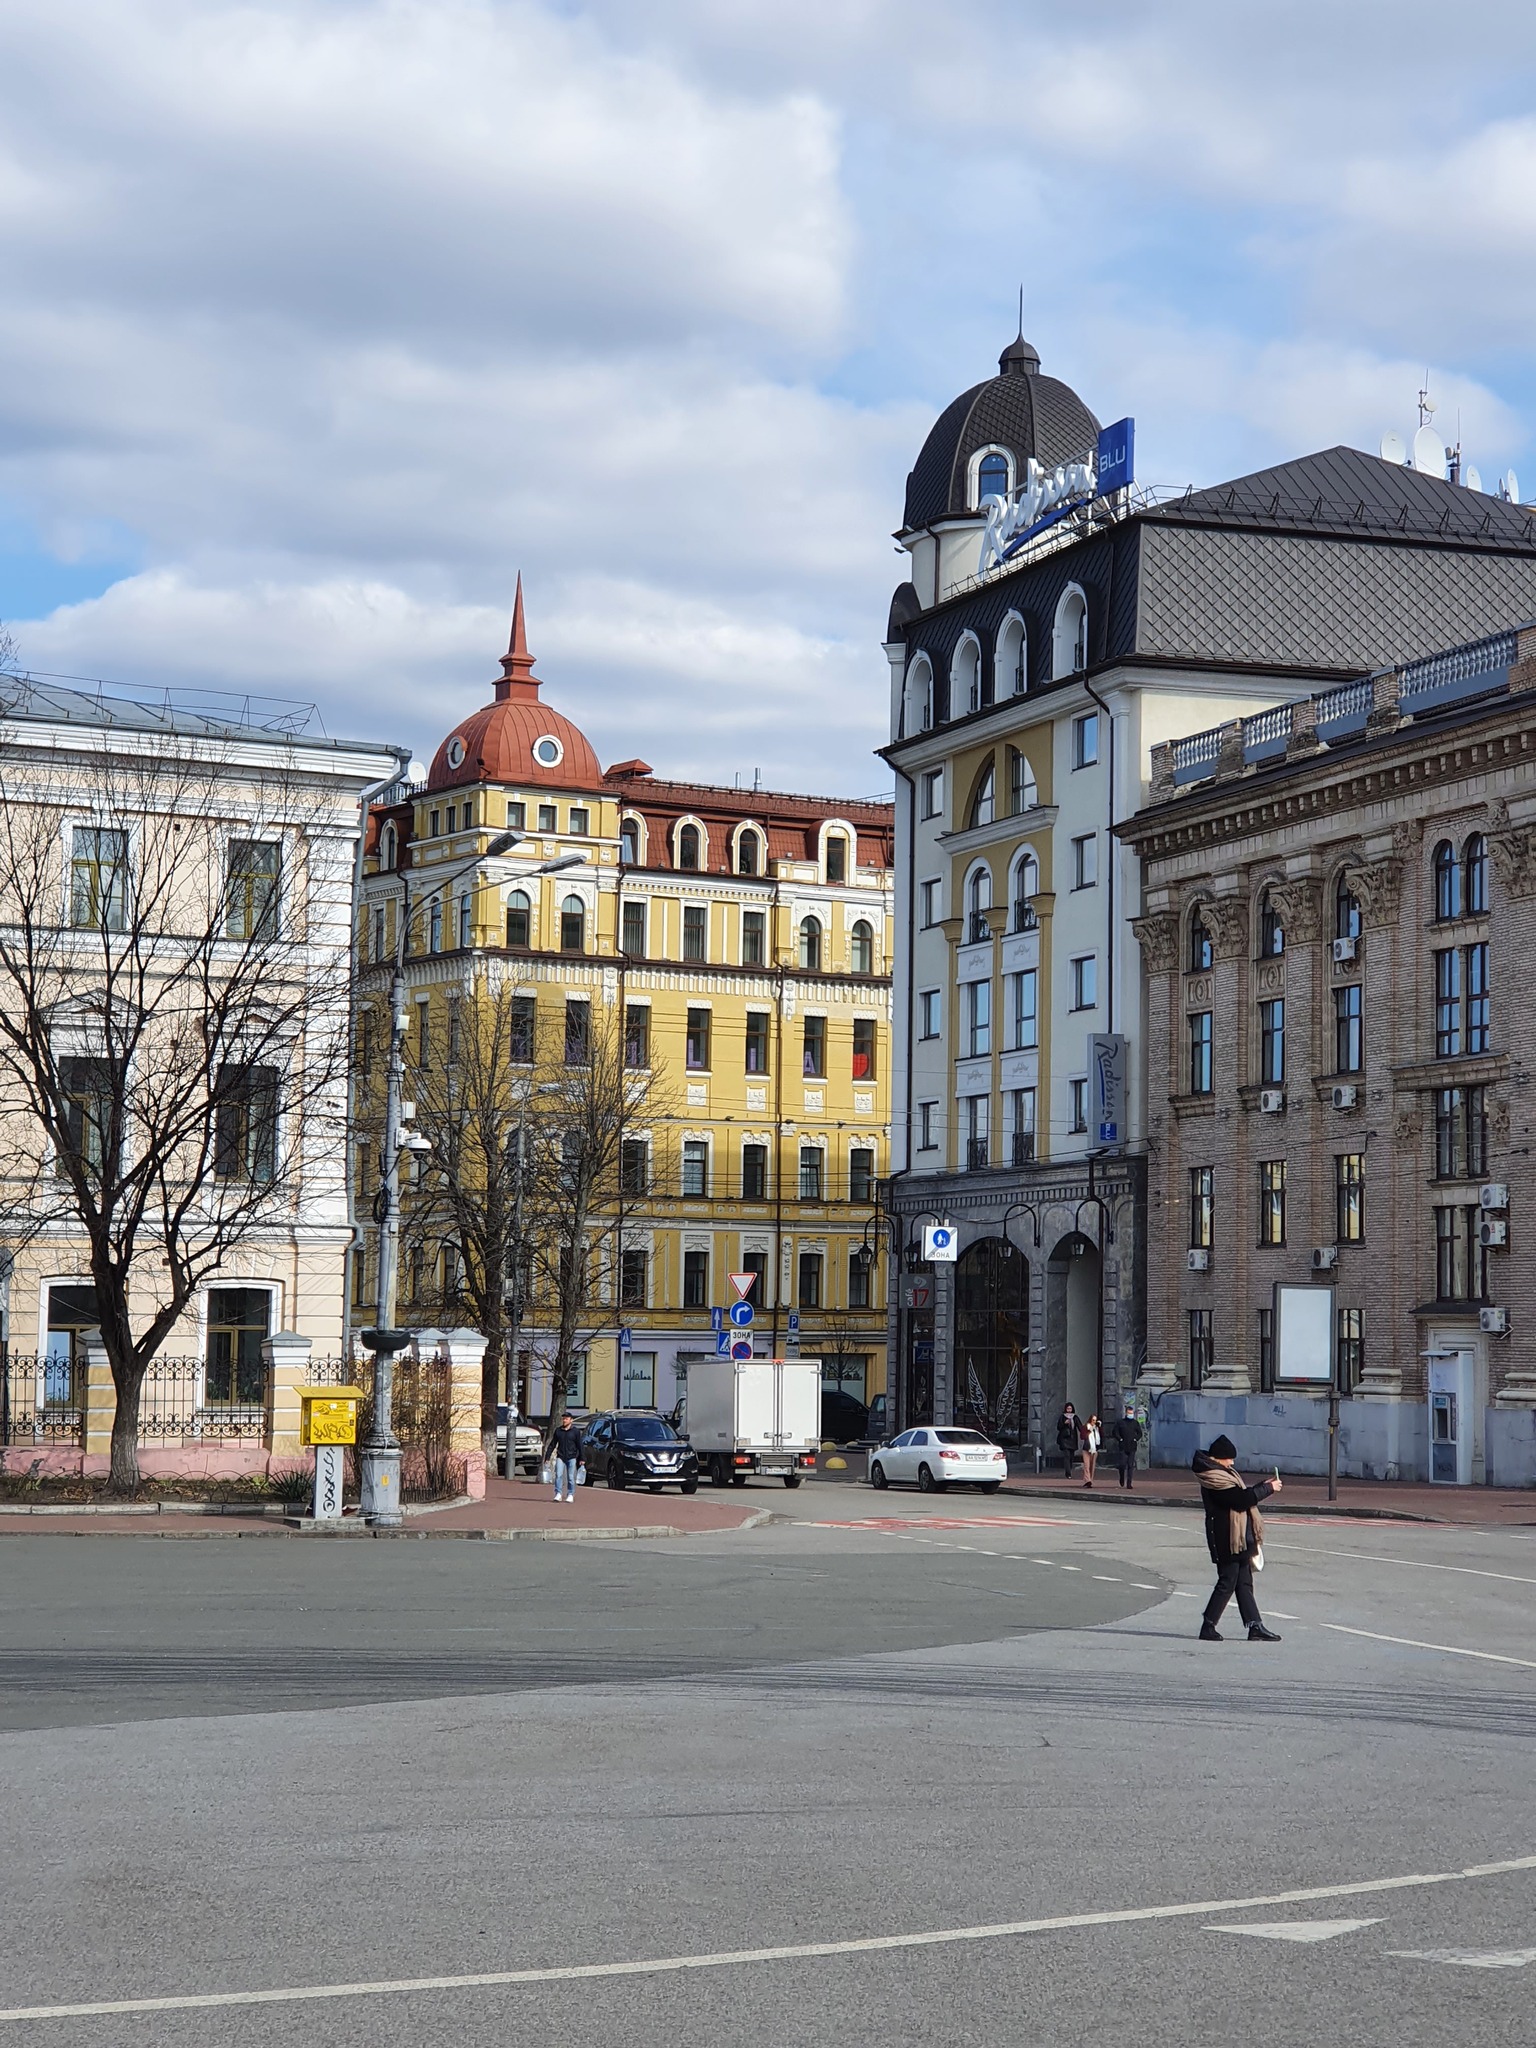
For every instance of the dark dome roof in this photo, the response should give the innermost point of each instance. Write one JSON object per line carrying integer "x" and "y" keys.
{"x": 1017, "y": 409}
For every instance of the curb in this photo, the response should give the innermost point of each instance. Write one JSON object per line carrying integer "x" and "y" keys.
{"x": 590, "y": 1534}
{"x": 249, "y": 1511}
{"x": 1271, "y": 1506}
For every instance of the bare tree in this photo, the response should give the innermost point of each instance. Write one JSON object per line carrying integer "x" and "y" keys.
{"x": 10, "y": 654}
{"x": 172, "y": 1018}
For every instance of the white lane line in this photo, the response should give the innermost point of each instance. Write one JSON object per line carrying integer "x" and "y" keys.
{"x": 1069, "y": 1567}
{"x": 1470, "y": 1958}
{"x": 1105, "y": 1579}
{"x": 1143, "y": 1585}
{"x": 1417, "y": 1564}
{"x": 1280, "y": 1615}
{"x": 1445, "y": 1649}
{"x": 661, "y": 1965}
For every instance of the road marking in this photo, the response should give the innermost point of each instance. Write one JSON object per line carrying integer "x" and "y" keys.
{"x": 1445, "y": 1649}
{"x": 1104, "y": 1579}
{"x": 1143, "y": 1586}
{"x": 1298, "y": 1930}
{"x": 1470, "y": 1958}
{"x": 1069, "y": 1567}
{"x": 873, "y": 1944}
{"x": 1417, "y": 1564}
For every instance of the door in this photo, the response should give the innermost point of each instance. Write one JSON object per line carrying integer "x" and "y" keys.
{"x": 1451, "y": 1419}
{"x": 799, "y": 1402}
{"x": 896, "y": 1457}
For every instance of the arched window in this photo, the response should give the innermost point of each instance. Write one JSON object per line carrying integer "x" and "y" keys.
{"x": 573, "y": 925}
{"x": 1474, "y": 865}
{"x": 1447, "y": 881}
{"x": 966, "y": 675}
{"x": 1023, "y": 794}
{"x": 837, "y": 857}
{"x": 389, "y": 847}
{"x": 1026, "y": 883}
{"x": 1346, "y": 911}
{"x": 1009, "y": 664}
{"x": 1201, "y": 952}
{"x": 984, "y": 802}
{"x": 978, "y": 900}
{"x": 519, "y": 919}
{"x": 688, "y": 847}
{"x": 810, "y": 943}
{"x": 1271, "y": 930}
{"x": 917, "y": 710}
{"x": 1069, "y": 648}
{"x": 748, "y": 848}
{"x": 861, "y": 947}
{"x": 992, "y": 478}
{"x": 629, "y": 842}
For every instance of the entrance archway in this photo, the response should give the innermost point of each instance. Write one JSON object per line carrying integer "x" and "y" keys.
{"x": 992, "y": 1339}
{"x": 1072, "y": 1326}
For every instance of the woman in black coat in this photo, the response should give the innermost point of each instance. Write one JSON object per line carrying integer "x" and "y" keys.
{"x": 1068, "y": 1431}
{"x": 1127, "y": 1435}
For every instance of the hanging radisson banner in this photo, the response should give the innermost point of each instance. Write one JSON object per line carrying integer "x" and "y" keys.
{"x": 1047, "y": 496}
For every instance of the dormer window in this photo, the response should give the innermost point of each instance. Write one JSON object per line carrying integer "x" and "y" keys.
{"x": 1069, "y": 649}
{"x": 688, "y": 847}
{"x": 629, "y": 843}
{"x": 389, "y": 848}
{"x": 748, "y": 860}
{"x": 837, "y": 858}
{"x": 991, "y": 478}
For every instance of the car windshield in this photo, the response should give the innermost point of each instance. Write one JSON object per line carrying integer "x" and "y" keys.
{"x": 647, "y": 1429}
{"x": 961, "y": 1436}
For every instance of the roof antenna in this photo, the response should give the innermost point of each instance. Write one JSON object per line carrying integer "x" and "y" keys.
{"x": 1426, "y": 404}
{"x": 1021, "y": 312}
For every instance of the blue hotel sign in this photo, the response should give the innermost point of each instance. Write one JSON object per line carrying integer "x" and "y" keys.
{"x": 1044, "y": 497}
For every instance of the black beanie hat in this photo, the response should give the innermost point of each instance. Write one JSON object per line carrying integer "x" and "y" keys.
{"x": 1222, "y": 1448}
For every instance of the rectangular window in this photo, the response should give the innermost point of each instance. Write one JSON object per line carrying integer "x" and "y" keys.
{"x": 423, "y": 1033}
{"x": 1349, "y": 1198}
{"x": 637, "y": 1035}
{"x": 632, "y": 1278}
{"x": 239, "y": 1322}
{"x": 695, "y": 1279}
{"x": 813, "y": 1058}
{"x": 520, "y": 1031}
{"x": 578, "y": 1034}
{"x": 928, "y": 1013}
{"x": 754, "y": 1173}
{"x": 978, "y": 1016}
{"x": 251, "y": 889}
{"x": 1021, "y": 1104}
{"x": 756, "y": 1263}
{"x": 466, "y": 921}
{"x": 90, "y": 1108}
{"x": 754, "y": 938}
{"x": 810, "y": 1280}
{"x": 927, "y": 1126}
{"x": 931, "y": 901}
{"x": 810, "y": 1173}
{"x": 1478, "y": 1039}
{"x": 453, "y": 818}
{"x": 837, "y": 858}
{"x": 435, "y": 926}
{"x": 696, "y": 1041}
{"x": 1272, "y": 1044}
{"x": 863, "y": 1048}
{"x": 378, "y": 935}
{"x": 1202, "y": 1207}
{"x": 977, "y": 1130}
{"x": 695, "y": 1166}
{"x": 1266, "y": 1350}
{"x": 860, "y": 1266}
{"x": 1024, "y": 1017}
{"x": 1447, "y": 1003}
{"x": 933, "y": 792}
{"x": 517, "y": 816}
{"x": 1085, "y": 740}
{"x": 1271, "y": 1201}
{"x": 1348, "y": 1035}
{"x": 1201, "y": 1346}
{"x": 98, "y": 897}
{"x": 580, "y": 821}
{"x": 1085, "y": 861}
{"x": 1351, "y": 1348}
{"x": 1460, "y": 1261}
{"x": 434, "y": 823}
{"x": 695, "y": 932}
{"x": 1200, "y": 1053}
{"x": 757, "y": 1041}
{"x": 861, "y": 1174}
{"x": 546, "y": 817}
{"x": 1077, "y": 1105}
{"x": 634, "y": 1166}
{"x": 632, "y": 930}
{"x": 1085, "y": 982}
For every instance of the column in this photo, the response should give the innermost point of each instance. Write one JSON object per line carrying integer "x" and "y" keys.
{"x": 465, "y": 1352}
{"x": 286, "y": 1358}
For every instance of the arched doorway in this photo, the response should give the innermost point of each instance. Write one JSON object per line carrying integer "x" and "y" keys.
{"x": 992, "y": 1339}
{"x": 1072, "y": 1326}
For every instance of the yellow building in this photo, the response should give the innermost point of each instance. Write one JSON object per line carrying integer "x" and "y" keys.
{"x": 741, "y": 940}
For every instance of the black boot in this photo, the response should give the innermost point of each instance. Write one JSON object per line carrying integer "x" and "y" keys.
{"x": 1260, "y": 1634}
{"x": 1208, "y": 1633}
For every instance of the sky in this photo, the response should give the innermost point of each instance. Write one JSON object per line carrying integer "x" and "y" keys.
{"x": 321, "y": 322}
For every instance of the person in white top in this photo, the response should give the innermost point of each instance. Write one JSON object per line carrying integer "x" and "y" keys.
{"x": 1092, "y": 1437}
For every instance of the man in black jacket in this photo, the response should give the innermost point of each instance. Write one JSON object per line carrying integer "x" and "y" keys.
{"x": 566, "y": 1446}
{"x": 1233, "y": 1534}
{"x": 1127, "y": 1439}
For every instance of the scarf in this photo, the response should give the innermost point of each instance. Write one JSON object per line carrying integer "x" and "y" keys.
{"x": 1245, "y": 1526}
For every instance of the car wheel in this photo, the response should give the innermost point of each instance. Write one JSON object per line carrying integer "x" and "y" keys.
{"x": 616, "y": 1476}
{"x": 653, "y": 1488}
{"x": 718, "y": 1472}
{"x": 926, "y": 1483}
{"x": 690, "y": 1486}
{"x": 877, "y": 1478}
{"x": 791, "y": 1478}
{"x": 738, "y": 1479}
{"x": 990, "y": 1485}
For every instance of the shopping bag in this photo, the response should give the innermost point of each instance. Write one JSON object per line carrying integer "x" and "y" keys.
{"x": 547, "y": 1474}
{"x": 581, "y": 1475}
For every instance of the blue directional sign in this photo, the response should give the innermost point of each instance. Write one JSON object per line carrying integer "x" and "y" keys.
{"x": 741, "y": 1347}
{"x": 626, "y": 1340}
{"x": 717, "y": 1320}
{"x": 722, "y": 1343}
{"x": 741, "y": 1314}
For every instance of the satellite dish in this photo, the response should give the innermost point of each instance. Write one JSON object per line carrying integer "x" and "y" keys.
{"x": 1428, "y": 453}
{"x": 417, "y": 772}
{"x": 1393, "y": 447}
{"x": 1512, "y": 486}
{"x": 1471, "y": 479}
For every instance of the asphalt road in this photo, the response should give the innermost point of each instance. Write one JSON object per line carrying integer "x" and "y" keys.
{"x": 838, "y": 1780}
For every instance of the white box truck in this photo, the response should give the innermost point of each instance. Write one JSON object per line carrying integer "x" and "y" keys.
{"x": 747, "y": 1416}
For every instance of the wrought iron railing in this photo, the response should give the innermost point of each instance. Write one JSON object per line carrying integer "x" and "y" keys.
{"x": 189, "y": 1400}
{"x": 41, "y": 1400}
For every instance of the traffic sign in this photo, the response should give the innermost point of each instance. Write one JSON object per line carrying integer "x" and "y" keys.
{"x": 939, "y": 1245}
{"x": 743, "y": 1283}
{"x": 626, "y": 1340}
{"x": 717, "y": 1320}
{"x": 741, "y": 1347}
{"x": 794, "y": 1322}
{"x": 741, "y": 1314}
{"x": 722, "y": 1343}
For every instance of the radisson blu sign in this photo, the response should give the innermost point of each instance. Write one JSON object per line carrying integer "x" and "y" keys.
{"x": 1046, "y": 496}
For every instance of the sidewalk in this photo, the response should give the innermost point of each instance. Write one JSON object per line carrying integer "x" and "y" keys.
{"x": 1171, "y": 1486}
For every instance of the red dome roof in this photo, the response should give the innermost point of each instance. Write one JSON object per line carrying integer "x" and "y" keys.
{"x": 518, "y": 739}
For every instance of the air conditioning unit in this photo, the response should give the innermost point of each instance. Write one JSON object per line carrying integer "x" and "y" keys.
{"x": 1344, "y": 949}
{"x": 1345, "y": 1094}
{"x": 1200, "y": 1260}
{"x": 1495, "y": 1321}
{"x": 1324, "y": 1257}
{"x": 1493, "y": 1194}
{"x": 1271, "y": 1100}
{"x": 1491, "y": 1236}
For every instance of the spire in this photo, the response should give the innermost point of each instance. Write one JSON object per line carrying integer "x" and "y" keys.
{"x": 1019, "y": 359}
{"x": 517, "y": 663}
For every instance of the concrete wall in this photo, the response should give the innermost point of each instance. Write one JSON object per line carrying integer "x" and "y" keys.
{"x": 1509, "y": 1446}
{"x": 1377, "y": 1439}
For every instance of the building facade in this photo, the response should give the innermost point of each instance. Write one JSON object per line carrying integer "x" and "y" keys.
{"x": 1338, "y": 904}
{"x": 1029, "y": 688}
{"x": 742, "y": 941}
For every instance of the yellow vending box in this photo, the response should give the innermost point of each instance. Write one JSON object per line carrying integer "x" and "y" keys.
{"x": 328, "y": 1422}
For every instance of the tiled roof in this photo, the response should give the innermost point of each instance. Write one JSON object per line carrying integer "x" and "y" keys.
{"x": 1021, "y": 410}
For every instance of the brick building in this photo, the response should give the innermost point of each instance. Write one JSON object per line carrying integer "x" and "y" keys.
{"x": 1339, "y": 906}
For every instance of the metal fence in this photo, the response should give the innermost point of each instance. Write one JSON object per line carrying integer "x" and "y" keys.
{"x": 41, "y": 1400}
{"x": 422, "y": 1416}
{"x": 180, "y": 1401}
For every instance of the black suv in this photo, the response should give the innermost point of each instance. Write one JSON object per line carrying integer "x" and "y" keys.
{"x": 637, "y": 1448}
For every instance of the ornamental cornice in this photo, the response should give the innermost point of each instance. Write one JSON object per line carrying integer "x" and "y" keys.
{"x": 1226, "y": 918}
{"x": 1158, "y": 937}
{"x": 1299, "y": 902}
{"x": 1378, "y": 889}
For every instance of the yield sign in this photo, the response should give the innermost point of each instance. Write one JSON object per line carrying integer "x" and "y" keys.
{"x": 743, "y": 1283}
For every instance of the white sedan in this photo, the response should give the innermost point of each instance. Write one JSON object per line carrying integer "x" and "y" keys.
{"x": 932, "y": 1459}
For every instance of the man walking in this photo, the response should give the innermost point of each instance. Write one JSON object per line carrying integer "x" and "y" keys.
{"x": 1233, "y": 1534}
{"x": 1127, "y": 1440}
{"x": 567, "y": 1455}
